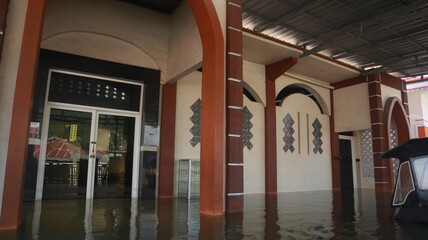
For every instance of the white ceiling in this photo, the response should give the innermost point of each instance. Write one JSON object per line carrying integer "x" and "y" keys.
{"x": 263, "y": 51}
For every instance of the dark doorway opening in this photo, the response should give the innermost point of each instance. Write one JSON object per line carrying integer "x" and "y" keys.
{"x": 346, "y": 175}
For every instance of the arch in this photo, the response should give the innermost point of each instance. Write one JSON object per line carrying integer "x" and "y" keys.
{"x": 108, "y": 37}
{"x": 250, "y": 93}
{"x": 212, "y": 127}
{"x": 213, "y": 106}
{"x": 305, "y": 90}
{"x": 93, "y": 42}
{"x": 394, "y": 110}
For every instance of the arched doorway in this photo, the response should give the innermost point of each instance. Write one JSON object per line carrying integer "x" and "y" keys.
{"x": 303, "y": 137}
{"x": 397, "y": 129}
{"x": 212, "y": 129}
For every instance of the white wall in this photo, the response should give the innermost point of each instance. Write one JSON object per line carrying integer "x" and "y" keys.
{"x": 424, "y": 105}
{"x": 254, "y": 159}
{"x": 284, "y": 81}
{"x": 304, "y": 170}
{"x": 418, "y": 110}
{"x": 185, "y": 47}
{"x": 220, "y": 8}
{"x": 352, "y": 108}
{"x": 8, "y": 72}
{"x": 388, "y": 92}
{"x": 254, "y": 76}
{"x": 108, "y": 30}
{"x": 188, "y": 91}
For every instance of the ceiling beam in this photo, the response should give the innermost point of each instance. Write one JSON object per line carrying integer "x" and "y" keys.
{"x": 344, "y": 29}
{"x": 399, "y": 19}
{"x": 295, "y": 11}
{"x": 397, "y": 40}
{"x": 396, "y": 59}
{"x": 289, "y": 27}
{"x": 253, "y": 13}
{"x": 388, "y": 69}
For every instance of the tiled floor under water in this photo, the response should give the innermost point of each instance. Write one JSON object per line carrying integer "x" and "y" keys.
{"x": 301, "y": 215}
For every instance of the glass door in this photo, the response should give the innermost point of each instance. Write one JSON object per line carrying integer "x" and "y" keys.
{"x": 114, "y": 156}
{"x": 88, "y": 154}
{"x": 67, "y": 154}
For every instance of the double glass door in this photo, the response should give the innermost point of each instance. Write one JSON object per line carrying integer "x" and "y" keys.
{"x": 88, "y": 154}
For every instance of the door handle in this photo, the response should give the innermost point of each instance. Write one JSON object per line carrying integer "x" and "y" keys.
{"x": 93, "y": 154}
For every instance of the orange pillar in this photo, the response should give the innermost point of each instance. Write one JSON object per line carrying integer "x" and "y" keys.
{"x": 167, "y": 141}
{"x": 272, "y": 72}
{"x": 382, "y": 167}
{"x": 212, "y": 109}
{"x": 234, "y": 109}
{"x": 335, "y": 152}
{"x": 422, "y": 131}
{"x": 21, "y": 114}
{"x": 270, "y": 139}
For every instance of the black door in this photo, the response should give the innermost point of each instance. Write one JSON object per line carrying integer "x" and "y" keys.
{"x": 346, "y": 164}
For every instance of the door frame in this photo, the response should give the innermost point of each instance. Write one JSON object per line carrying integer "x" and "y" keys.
{"x": 353, "y": 160}
{"x": 95, "y": 111}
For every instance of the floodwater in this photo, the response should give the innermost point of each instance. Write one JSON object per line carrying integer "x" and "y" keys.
{"x": 302, "y": 215}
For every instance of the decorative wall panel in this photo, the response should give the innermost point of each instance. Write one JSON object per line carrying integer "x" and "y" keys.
{"x": 367, "y": 153}
{"x": 196, "y": 120}
{"x": 394, "y": 143}
{"x": 247, "y": 135}
{"x": 317, "y": 136}
{"x": 288, "y": 133}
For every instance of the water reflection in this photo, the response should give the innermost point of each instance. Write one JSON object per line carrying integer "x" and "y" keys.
{"x": 304, "y": 215}
{"x": 271, "y": 222}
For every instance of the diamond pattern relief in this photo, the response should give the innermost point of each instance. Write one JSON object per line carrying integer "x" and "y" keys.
{"x": 317, "y": 136}
{"x": 247, "y": 135}
{"x": 367, "y": 153}
{"x": 196, "y": 120}
{"x": 394, "y": 143}
{"x": 288, "y": 133}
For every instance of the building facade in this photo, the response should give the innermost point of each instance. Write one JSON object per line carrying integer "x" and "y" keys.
{"x": 105, "y": 98}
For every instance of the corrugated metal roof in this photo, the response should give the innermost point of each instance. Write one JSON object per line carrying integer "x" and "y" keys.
{"x": 375, "y": 36}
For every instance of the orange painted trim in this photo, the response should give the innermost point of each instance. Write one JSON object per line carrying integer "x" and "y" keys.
{"x": 299, "y": 48}
{"x": 417, "y": 89}
{"x": 213, "y": 107}
{"x": 335, "y": 151}
{"x": 349, "y": 82}
{"x": 394, "y": 109}
{"x": 421, "y": 120}
{"x": 21, "y": 114}
{"x": 391, "y": 81}
{"x": 272, "y": 72}
{"x": 270, "y": 140}
{"x": 422, "y": 131}
{"x": 275, "y": 70}
{"x": 167, "y": 141}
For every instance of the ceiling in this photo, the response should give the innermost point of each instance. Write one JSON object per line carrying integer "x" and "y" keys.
{"x": 371, "y": 35}
{"x": 163, "y": 6}
{"x": 263, "y": 51}
{"x": 374, "y": 36}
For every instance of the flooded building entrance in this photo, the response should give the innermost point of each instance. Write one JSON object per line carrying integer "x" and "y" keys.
{"x": 89, "y": 137}
{"x": 91, "y": 130}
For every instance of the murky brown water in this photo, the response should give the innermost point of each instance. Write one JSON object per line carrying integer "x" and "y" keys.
{"x": 303, "y": 215}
